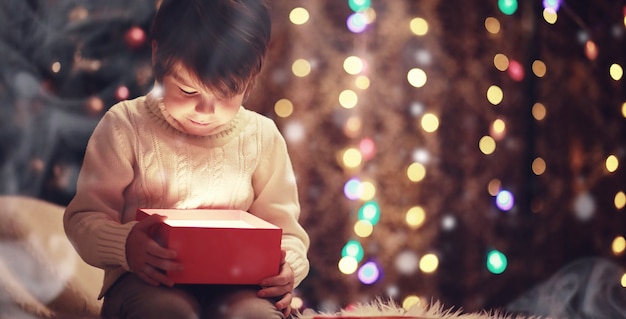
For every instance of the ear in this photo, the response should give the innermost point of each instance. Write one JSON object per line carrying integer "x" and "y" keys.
{"x": 154, "y": 48}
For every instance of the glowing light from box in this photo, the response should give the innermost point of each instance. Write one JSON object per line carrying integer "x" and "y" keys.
{"x": 353, "y": 249}
{"x": 505, "y": 200}
{"x": 299, "y": 16}
{"x": 362, "y": 82}
{"x": 415, "y": 217}
{"x": 429, "y": 122}
{"x": 495, "y": 95}
{"x": 498, "y": 129}
{"x": 539, "y": 111}
{"x": 496, "y": 262}
{"x": 417, "y": 77}
{"x": 487, "y": 145}
{"x": 352, "y": 189}
{"x": 494, "y": 187}
{"x": 418, "y": 26}
{"x": 348, "y": 99}
{"x": 616, "y": 71}
{"x": 301, "y": 68}
{"x": 550, "y": 16}
{"x": 516, "y": 71}
{"x": 368, "y": 190}
{"x": 367, "y": 148}
{"x": 619, "y": 200}
{"x": 611, "y": 163}
{"x": 353, "y": 65}
{"x": 348, "y": 265}
{"x": 539, "y": 166}
{"x": 352, "y": 157}
{"x": 370, "y": 211}
{"x": 553, "y": 5}
{"x": 539, "y": 68}
{"x": 501, "y": 62}
{"x": 429, "y": 263}
{"x": 410, "y": 301}
{"x": 507, "y": 7}
{"x": 359, "y": 5}
{"x": 619, "y": 245}
{"x": 369, "y": 273}
{"x": 492, "y": 25}
{"x": 363, "y": 228}
{"x": 283, "y": 108}
{"x": 357, "y": 22}
{"x": 416, "y": 172}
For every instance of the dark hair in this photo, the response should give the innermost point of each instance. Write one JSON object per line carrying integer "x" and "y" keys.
{"x": 222, "y": 42}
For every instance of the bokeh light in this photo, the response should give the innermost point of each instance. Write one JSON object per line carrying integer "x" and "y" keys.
{"x": 498, "y": 129}
{"x": 539, "y": 68}
{"x": 507, "y": 7}
{"x": 348, "y": 99}
{"x": 357, "y": 22}
{"x": 505, "y": 200}
{"x": 492, "y": 25}
{"x": 353, "y": 65}
{"x": 415, "y": 217}
{"x": 591, "y": 50}
{"x": 353, "y": 249}
{"x": 616, "y": 71}
{"x": 496, "y": 262}
{"x": 429, "y": 122}
{"x": 369, "y": 273}
{"x": 553, "y": 5}
{"x": 299, "y": 16}
{"x": 407, "y": 262}
{"x": 369, "y": 211}
{"x": 429, "y": 263}
{"x": 416, "y": 172}
{"x": 352, "y": 189}
{"x": 539, "y": 111}
{"x": 363, "y": 228}
{"x": 368, "y": 190}
{"x": 367, "y": 148}
{"x": 362, "y": 82}
{"x": 619, "y": 200}
{"x": 283, "y": 108}
{"x": 618, "y": 245}
{"x": 410, "y": 301}
{"x": 301, "y": 68}
{"x": 352, "y": 157}
{"x": 417, "y": 77}
{"x": 419, "y": 26}
{"x": 611, "y": 163}
{"x": 550, "y": 16}
{"x": 359, "y": 5}
{"x": 494, "y": 187}
{"x": 487, "y": 145}
{"x": 516, "y": 71}
{"x": 495, "y": 94}
{"x": 501, "y": 62}
{"x": 348, "y": 265}
{"x": 539, "y": 166}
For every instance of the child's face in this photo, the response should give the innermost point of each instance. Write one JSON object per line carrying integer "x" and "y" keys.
{"x": 197, "y": 109}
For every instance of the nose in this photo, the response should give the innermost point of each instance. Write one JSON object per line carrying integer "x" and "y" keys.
{"x": 205, "y": 105}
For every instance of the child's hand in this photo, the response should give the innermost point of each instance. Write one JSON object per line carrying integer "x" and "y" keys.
{"x": 281, "y": 286}
{"x": 146, "y": 257}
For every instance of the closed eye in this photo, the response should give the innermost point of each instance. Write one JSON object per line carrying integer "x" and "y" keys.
{"x": 187, "y": 92}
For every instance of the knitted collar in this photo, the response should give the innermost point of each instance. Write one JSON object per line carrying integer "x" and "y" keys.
{"x": 160, "y": 115}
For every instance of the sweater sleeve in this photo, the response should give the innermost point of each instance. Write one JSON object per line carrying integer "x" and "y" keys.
{"x": 276, "y": 199}
{"x": 93, "y": 219}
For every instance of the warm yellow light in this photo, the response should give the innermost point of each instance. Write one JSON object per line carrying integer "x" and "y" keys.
{"x": 363, "y": 228}
{"x": 429, "y": 122}
{"x": 501, "y": 62}
{"x": 429, "y": 263}
{"x": 353, "y": 125}
{"x": 591, "y": 50}
{"x": 619, "y": 200}
{"x": 618, "y": 245}
{"x": 623, "y": 280}
{"x": 352, "y": 157}
{"x": 419, "y": 26}
{"x": 348, "y": 99}
{"x": 492, "y": 25}
{"x": 494, "y": 187}
{"x": 487, "y": 145}
{"x": 301, "y": 68}
{"x": 56, "y": 67}
{"x": 368, "y": 190}
{"x": 495, "y": 95}
{"x": 550, "y": 16}
{"x": 348, "y": 265}
{"x": 362, "y": 82}
{"x": 539, "y": 166}
{"x": 297, "y": 302}
{"x": 417, "y": 77}
{"x": 539, "y": 68}
{"x": 539, "y": 111}
{"x": 410, "y": 301}
{"x": 283, "y": 108}
{"x": 415, "y": 217}
{"x": 299, "y": 15}
{"x": 616, "y": 71}
{"x": 353, "y": 65}
{"x": 416, "y": 172}
{"x": 611, "y": 163}
{"x": 624, "y": 109}
{"x": 498, "y": 128}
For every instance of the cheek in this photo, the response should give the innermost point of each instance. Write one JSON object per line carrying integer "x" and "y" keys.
{"x": 174, "y": 105}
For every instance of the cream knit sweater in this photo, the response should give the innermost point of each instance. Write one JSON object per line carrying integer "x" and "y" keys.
{"x": 138, "y": 158}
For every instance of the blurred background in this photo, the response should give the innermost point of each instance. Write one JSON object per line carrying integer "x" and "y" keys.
{"x": 460, "y": 151}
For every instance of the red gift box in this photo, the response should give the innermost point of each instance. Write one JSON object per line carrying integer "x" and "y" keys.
{"x": 218, "y": 246}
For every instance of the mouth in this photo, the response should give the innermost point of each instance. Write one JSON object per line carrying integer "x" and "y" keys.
{"x": 199, "y": 123}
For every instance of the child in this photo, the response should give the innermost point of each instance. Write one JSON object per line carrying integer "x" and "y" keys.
{"x": 188, "y": 144}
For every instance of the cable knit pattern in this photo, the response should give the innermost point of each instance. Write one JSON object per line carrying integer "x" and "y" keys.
{"x": 138, "y": 157}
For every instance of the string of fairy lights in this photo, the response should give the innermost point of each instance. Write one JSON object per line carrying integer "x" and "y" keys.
{"x": 363, "y": 191}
